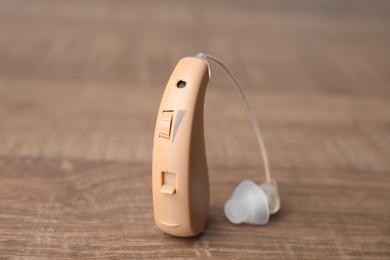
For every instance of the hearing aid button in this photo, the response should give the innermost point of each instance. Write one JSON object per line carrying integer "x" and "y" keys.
{"x": 166, "y": 124}
{"x": 168, "y": 183}
{"x": 168, "y": 189}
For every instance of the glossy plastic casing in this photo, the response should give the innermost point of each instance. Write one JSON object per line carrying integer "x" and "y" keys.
{"x": 180, "y": 178}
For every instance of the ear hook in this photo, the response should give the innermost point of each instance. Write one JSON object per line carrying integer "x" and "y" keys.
{"x": 250, "y": 203}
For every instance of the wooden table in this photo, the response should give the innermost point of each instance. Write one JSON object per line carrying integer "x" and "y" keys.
{"x": 80, "y": 86}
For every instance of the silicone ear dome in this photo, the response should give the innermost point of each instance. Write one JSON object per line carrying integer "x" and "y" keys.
{"x": 252, "y": 203}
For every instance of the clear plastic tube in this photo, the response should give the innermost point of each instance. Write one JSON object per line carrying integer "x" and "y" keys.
{"x": 248, "y": 107}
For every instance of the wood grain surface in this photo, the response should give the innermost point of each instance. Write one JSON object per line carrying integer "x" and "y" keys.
{"x": 80, "y": 86}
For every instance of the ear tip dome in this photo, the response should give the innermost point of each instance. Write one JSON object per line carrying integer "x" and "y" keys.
{"x": 249, "y": 204}
{"x": 235, "y": 211}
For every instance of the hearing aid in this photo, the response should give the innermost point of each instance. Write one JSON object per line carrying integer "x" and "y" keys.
{"x": 180, "y": 182}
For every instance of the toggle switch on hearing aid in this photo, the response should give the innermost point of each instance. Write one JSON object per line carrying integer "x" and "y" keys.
{"x": 180, "y": 180}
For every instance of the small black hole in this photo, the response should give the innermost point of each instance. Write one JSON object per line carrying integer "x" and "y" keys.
{"x": 181, "y": 84}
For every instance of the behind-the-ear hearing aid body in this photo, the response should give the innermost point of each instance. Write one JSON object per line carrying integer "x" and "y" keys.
{"x": 179, "y": 176}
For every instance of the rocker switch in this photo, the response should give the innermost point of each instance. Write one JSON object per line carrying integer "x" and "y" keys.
{"x": 166, "y": 124}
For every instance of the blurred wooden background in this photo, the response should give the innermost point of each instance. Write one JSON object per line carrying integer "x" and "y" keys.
{"x": 80, "y": 86}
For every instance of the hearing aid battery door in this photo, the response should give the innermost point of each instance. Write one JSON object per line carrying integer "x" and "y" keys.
{"x": 179, "y": 176}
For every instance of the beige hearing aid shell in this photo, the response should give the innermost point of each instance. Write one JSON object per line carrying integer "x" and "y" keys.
{"x": 180, "y": 178}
